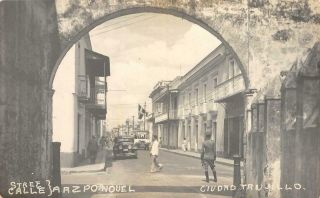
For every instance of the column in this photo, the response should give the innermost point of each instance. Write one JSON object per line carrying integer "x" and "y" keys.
{"x": 159, "y": 131}
{"x": 200, "y": 132}
{"x": 209, "y": 123}
{"x": 247, "y": 128}
{"x": 193, "y": 135}
{"x": 187, "y": 132}
{"x": 180, "y": 134}
{"x": 220, "y": 130}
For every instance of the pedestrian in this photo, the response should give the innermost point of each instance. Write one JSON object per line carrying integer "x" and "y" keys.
{"x": 208, "y": 156}
{"x": 92, "y": 149}
{"x": 154, "y": 153}
{"x": 184, "y": 145}
{"x": 102, "y": 142}
{"x": 108, "y": 155}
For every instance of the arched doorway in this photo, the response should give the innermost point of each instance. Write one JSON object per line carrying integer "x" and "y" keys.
{"x": 195, "y": 145}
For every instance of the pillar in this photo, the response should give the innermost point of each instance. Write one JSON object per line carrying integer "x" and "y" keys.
{"x": 247, "y": 128}
{"x": 25, "y": 99}
{"x": 187, "y": 133}
{"x": 209, "y": 123}
{"x": 220, "y": 130}
{"x": 200, "y": 132}
{"x": 180, "y": 133}
{"x": 193, "y": 133}
{"x": 159, "y": 131}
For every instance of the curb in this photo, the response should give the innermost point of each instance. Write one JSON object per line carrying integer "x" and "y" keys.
{"x": 187, "y": 155}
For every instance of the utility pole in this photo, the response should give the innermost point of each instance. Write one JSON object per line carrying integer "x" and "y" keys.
{"x": 128, "y": 124}
{"x": 144, "y": 117}
{"x": 132, "y": 123}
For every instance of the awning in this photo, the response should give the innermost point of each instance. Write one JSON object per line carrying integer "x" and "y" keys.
{"x": 97, "y": 64}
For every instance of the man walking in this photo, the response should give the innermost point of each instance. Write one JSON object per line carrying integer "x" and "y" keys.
{"x": 208, "y": 156}
{"x": 154, "y": 152}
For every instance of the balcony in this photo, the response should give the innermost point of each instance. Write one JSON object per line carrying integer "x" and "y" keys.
{"x": 92, "y": 97}
{"x": 228, "y": 88}
{"x": 97, "y": 104}
{"x": 166, "y": 116}
{"x": 186, "y": 111}
{"x": 173, "y": 114}
{"x": 83, "y": 91}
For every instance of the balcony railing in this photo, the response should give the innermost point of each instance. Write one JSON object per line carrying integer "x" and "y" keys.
{"x": 83, "y": 87}
{"x": 173, "y": 114}
{"x": 94, "y": 95}
{"x": 97, "y": 96}
{"x": 228, "y": 88}
{"x": 161, "y": 117}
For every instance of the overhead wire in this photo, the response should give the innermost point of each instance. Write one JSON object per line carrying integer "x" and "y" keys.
{"x": 122, "y": 26}
{"x": 99, "y": 28}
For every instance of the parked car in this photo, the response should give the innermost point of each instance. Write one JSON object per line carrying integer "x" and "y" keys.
{"x": 141, "y": 144}
{"x": 141, "y": 140}
{"x": 124, "y": 147}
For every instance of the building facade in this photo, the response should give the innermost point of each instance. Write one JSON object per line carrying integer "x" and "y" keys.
{"x": 79, "y": 102}
{"x": 207, "y": 98}
{"x": 165, "y": 112}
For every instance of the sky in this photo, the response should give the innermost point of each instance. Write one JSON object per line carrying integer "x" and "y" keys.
{"x": 144, "y": 49}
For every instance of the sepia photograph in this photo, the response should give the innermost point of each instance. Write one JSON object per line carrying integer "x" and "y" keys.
{"x": 160, "y": 98}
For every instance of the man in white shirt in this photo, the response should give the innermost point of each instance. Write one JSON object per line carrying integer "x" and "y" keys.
{"x": 154, "y": 153}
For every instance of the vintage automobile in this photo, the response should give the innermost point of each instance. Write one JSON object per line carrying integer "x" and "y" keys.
{"x": 141, "y": 140}
{"x": 124, "y": 147}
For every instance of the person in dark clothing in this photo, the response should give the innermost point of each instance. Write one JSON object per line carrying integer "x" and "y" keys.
{"x": 93, "y": 149}
{"x": 208, "y": 156}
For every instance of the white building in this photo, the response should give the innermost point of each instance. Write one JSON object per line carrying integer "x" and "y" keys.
{"x": 208, "y": 98}
{"x": 79, "y": 102}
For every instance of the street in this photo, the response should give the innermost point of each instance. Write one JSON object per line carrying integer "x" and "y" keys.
{"x": 181, "y": 176}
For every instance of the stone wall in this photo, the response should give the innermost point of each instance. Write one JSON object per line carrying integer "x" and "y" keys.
{"x": 28, "y": 35}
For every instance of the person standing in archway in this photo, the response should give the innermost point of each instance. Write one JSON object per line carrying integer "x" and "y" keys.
{"x": 93, "y": 149}
{"x": 108, "y": 155}
{"x": 184, "y": 145}
{"x": 208, "y": 156}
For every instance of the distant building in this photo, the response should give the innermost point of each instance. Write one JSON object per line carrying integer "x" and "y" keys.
{"x": 79, "y": 102}
{"x": 208, "y": 98}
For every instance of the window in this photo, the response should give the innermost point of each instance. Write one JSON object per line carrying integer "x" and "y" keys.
{"x": 205, "y": 92}
{"x": 189, "y": 98}
{"x": 237, "y": 70}
{"x": 183, "y": 100}
{"x": 159, "y": 107}
{"x": 215, "y": 82}
{"x": 231, "y": 68}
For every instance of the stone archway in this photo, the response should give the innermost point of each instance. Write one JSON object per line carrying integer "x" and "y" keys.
{"x": 67, "y": 44}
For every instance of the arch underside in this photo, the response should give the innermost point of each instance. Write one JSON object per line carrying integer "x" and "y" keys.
{"x": 78, "y": 31}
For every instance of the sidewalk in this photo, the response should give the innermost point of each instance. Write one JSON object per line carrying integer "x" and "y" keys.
{"x": 86, "y": 167}
{"x": 223, "y": 161}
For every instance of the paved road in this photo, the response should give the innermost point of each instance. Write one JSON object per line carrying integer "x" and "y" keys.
{"x": 181, "y": 177}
